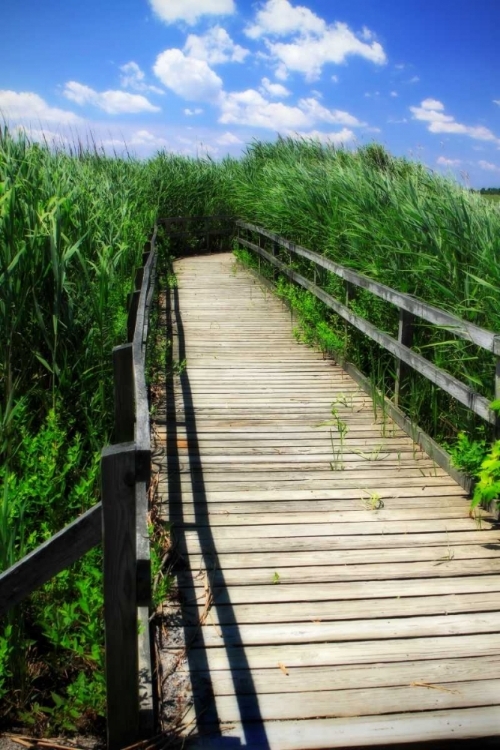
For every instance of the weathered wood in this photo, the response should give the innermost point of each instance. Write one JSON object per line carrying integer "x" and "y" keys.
{"x": 124, "y": 400}
{"x": 50, "y": 558}
{"x": 139, "y": 275}
{"x": 405, "y": 337}
{"x": 303, "y": 569}
{"x": 133, "y": 302}
{"x": 451, "y": 385}
{"x": 497, "y": 398}
{"x": 485, "y": 339}
{"x": 118, "y": 477}
{"x": 316, "y": 734}
{"x": 146, "y": 689}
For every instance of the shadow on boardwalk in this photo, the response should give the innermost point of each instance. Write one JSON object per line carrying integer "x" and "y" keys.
{"x": 207, "y": 719}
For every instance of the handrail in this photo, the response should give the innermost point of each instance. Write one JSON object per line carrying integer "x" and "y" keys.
{"x": 462, "y": 328}
{"x": 409, "y": 307}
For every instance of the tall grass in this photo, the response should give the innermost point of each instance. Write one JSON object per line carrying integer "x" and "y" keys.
{"x": 399, "y": 223}
{"x": 72, "y": 227}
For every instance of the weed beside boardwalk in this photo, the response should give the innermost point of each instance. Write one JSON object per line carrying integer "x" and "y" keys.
{"x": 72, "y": 228}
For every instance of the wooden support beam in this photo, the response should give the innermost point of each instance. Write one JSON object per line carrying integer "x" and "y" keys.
{"x": 405, "y": 337}
{"x": 118, "y": 477}
{"x": 123, "y": 378}
{"x": 133, "y": 304}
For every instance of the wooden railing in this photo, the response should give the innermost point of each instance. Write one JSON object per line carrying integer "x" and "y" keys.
{"x": 268, "y": 245}
{"x": 119, "y": 521}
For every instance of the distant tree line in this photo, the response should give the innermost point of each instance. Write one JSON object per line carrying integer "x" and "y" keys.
{"x": 489, "y": 191}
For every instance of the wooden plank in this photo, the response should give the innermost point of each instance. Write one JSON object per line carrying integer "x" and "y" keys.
{"x": 50, "y": 558}
{"x": 315, "y": 734}
{"x": 281, "y": 560}
{"x": 361, "y": 701}
{"x": 367, "y": 629}
{"x": 351, "y": 590}
{"x": 346, "y": 652}
{"x": 334, "y": 529}
{"x": 321, "y": 611}
{"x": 348, "y": 677}
{"x": 373, "y": 572}
{"x": 371, "y": 540}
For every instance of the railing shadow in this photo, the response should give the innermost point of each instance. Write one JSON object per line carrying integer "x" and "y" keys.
{"x": 207, "y": 718}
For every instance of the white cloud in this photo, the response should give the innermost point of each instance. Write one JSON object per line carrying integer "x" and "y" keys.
{"x": 112, "y": 102}
{"x": 133, "y": 78}
{"x": 313, "y": 43}
{"x": 308, "y": 54}
{"x": 145, "y": 138}
{"x": 335, "y": 79}
{"x": 229, "y": 139}
{"x": 317, "y": 112}
{"x": 488, "y": 166}
{"x": 190, "y": 11}
{"x": 415, "y": 79}
{"x": 337, "y": 139}
{"x": 250, "y": 107}
{"x": 42, "y": 135}
{"x": 274, "y": 89}
{"x": 215, "y": 47}
{"x": 394, "y": 94}
{"x": 496, "y": 101}
{"x": 431, "y": 111}
{"x": 188, "y": 77}
{"x": 193, "y": 112}
{"x": 432, "y": 104}
{"x": 25, "y": 105}
{"x": 443, "y": 161}
{"x": 280, "y": 18}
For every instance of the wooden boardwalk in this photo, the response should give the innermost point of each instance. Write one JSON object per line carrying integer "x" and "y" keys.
{"x": 335, "y": 591}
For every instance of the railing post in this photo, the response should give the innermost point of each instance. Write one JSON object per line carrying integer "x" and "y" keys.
{"x": 405, "y": 337}
{"x": 497, "y": 398}
{"x": 274, "y": 252}
{"x": 123, "y": 378}
{"x": 118, "y": 477}
{"x": 133, "y": 304}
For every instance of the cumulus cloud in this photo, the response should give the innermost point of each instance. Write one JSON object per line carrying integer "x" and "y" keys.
{"x": 337, "y": 139}
{"x": 133, "y": 78}
{"x": 276, "y": 90}
{"x": 496, "y": 101}
{"x": 188, "y": 77}
{"x": 308, "y": 54}
{"x": 145, "y": 138}
{"x": 42, "y": 135}
{"x": 229, "y": 139}
{"x": 488, "y": 166}
{"x": 444, "y": 162}
{"x": 25, "y": 105}
{"x": 280, "y": 18}
{"x": 250, "y": 107}
{"x": 314, "y": 43}
{"x": 193, "y": 112}
{"x": 431, "y": 111}
{"x": 190, "y": 11}
{"x": 215, "y": 47}
{"x": 112, "y": 102}
{"x": 317, "y": 112}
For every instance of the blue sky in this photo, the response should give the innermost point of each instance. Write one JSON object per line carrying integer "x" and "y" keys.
{"x": 209, "y": 76}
